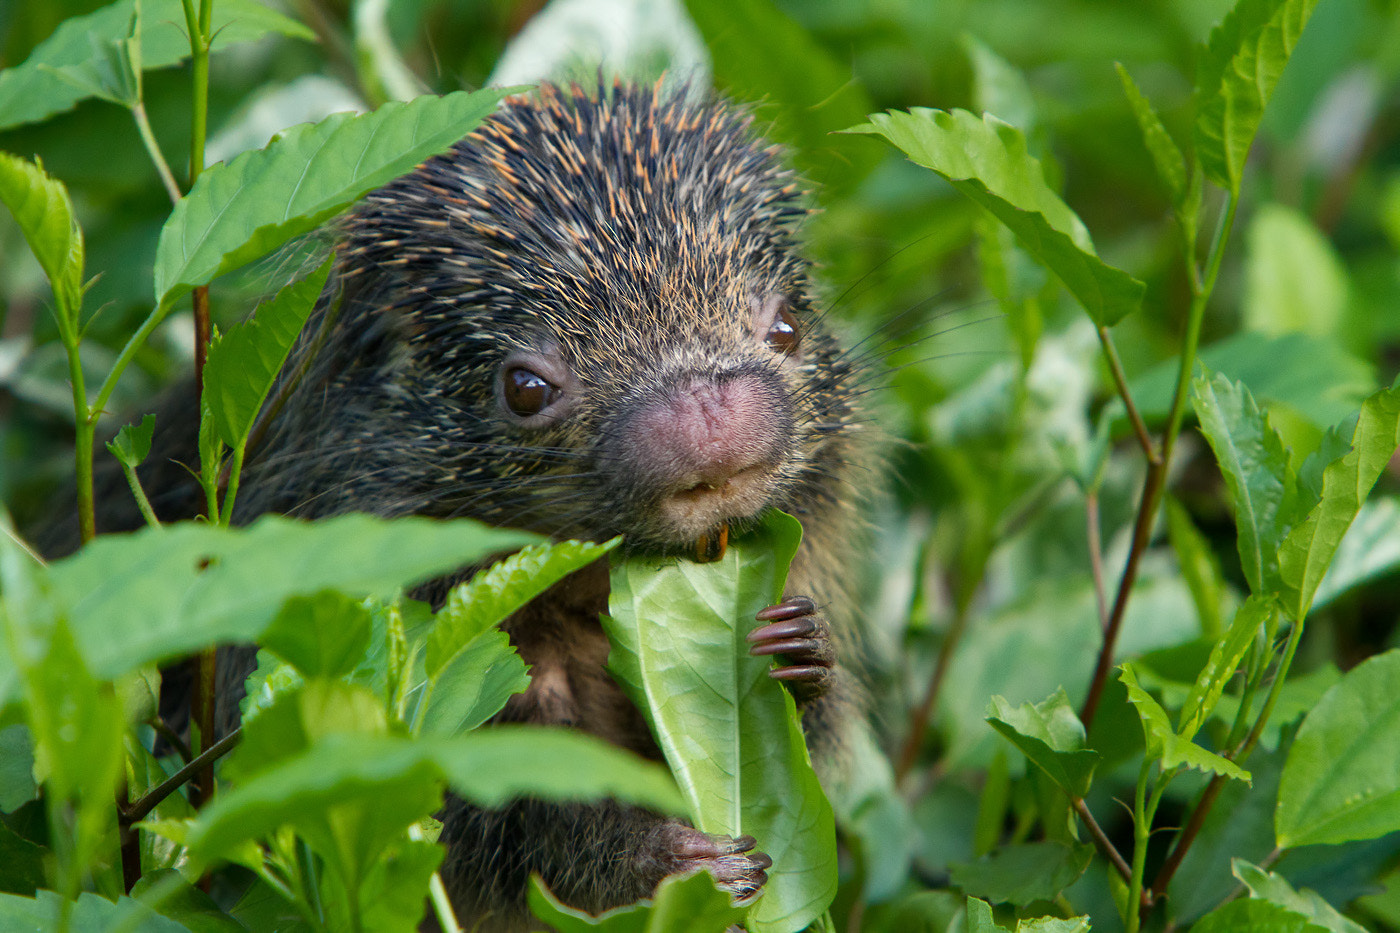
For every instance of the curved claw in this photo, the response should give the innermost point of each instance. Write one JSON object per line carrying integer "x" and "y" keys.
{"x": 796, "y": 632}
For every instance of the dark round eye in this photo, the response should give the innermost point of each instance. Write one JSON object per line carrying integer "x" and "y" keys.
{"x": 528, "y": 393}
{"x": 784, "y": 334}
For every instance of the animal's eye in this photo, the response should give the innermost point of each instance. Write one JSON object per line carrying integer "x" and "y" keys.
{"x": 784, "y": 334}
{"x": 528, "y": 393}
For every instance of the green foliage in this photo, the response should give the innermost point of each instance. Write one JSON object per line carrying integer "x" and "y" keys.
{"x": 729, "y": 732}
{"x": 1245, "y": 398}
{"x": 244, "y": 210}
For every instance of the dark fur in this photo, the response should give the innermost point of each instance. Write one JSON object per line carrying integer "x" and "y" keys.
{"x": 634, "y": 232}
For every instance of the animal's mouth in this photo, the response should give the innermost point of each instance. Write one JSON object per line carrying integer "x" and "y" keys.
{"x": 698, "y": 509}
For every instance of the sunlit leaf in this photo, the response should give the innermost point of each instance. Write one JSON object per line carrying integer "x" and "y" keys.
{"x": 240, "y": 211}
{"x": 1272, "y": 887}
{"x": 1237, "y": 73}
{"x": 729, "y": 732}
{"x": 41, "y": 206}
{"x": 1307, "y": 551}
{"x": 682, "y": 904}
{"x": 1255, "y": 465}
{"x": 133, "y": 442}
{"x": 1224, "y": 660}
{"x": 986, "y": 160}
{"x": 1051, "y": 735}
{"x": 1162, "y": 740}
{"x": 33, "y": 90}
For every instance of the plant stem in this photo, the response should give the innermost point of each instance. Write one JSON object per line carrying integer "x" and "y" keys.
{"x": 231, "y": 493}
{"x": 152, "y": 798}
{"x": 1100, "y": 838}
{"x": 1143, "y": 815}
{"x": 142, "y": 502}
{"x": 1154, "y": 485}
{"x": 923, "y": 713}
{"x": 148, "y": 138}
{"x": 1115, "y": 367}
{"x": 202, "y": 714}
{"x": 1091, "y": 527}
{"x": 84, "y": 429}
{"x": 1217, "y": 783}
{"x": 199, "y": 29}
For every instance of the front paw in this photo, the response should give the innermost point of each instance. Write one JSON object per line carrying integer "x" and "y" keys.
{"x": 736, "y": 867}
{"x": 798, "y": 633}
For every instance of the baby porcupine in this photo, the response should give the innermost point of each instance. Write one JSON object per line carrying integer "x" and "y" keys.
{"x": 589, "y": 318}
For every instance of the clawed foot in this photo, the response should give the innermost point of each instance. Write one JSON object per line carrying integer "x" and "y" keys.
{"x": 801, "y": 636}
{"x": 733, "y": 863}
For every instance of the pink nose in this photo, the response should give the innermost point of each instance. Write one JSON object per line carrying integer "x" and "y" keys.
{"x": 705, "y": 432}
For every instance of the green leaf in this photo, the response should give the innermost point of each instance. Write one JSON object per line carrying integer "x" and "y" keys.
{"x": 91, "y": 913}
{"x": 474, "y": 685}
{"x": 1369, "y": 549}
{"x": 1307, "y": 552}
{"x": 41, "y": 206}
{"x": 729, "y": 731}
{"x": 1200, "y": 568}
{"x": 1224, "y": 660}
{"x": 682, "y": 904}
{"x": 1238, "y": 71}
{"x": 34, "y": 90}
{"x": 986, "y": 160}
{"x": 1274, "y": 888}
{"x": 1051, "y": 735}
{"x": 238, "y": 212}
{"x": 16, "y": 768}
{"x": 1166, "y": 156}
{"x": 1162, "y": 741}
{"x": 492, "y": 595}
{"x": 1317, "y": 378}
{"x": 1294, "y": 280}
{"x": 980, "y": 919}
{"x": 1254, "y": 916}
{"x": 489, "y": 768}
{"x": 133, "y": 442}
{"x": 1255, "y": 465}
{"x": 1342, "y": 778}
{"x": 1021, "y": 873}
{"x": 159, "y": 592}
{"x": 760, "y": 53}
{"x": 244, "y": 362}
{"x": 322, "y": 635}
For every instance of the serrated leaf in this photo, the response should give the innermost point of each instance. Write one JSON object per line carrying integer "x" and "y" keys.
{"x": 243, "y": 363}
{"x": 1341, "y": 780}
{"x": 1274, "y": 888}
{"x": 240, "y": 211}
{"x": 1051, "y": 735}
{"x": 1022, "y": 873}
{"x": 492, "y": 595}
{"x": 1307, "y": 552}
{"x": 33, "y": 91}
{"x": 1224, "y": 660}
{"x": 987, "y": 160}
{"x": 729, "y": 731}
{"x": 1254, "y": 916}
{"x": 41, "y": 206}
{"x": 473, "y": 685}
{"x": 1166, "y": 156}
{"x": 489, "y": 768}
{"x": 1238, "y": 71}
{"x": 159, "y": 592}
{"x": 1162, "y": 741}
{"x": 91, "y": 913}
{"x": 682, "y": 904}
{"x": 1255, "y": 465}
{"x": 1369, "y": 549}
{"x": 133, "y": 442}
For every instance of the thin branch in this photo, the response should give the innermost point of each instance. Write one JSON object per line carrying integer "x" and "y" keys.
{"x": 923, "y": 713}
{"x": 1120, "y": 381}
{"x": 152, "y": 798}
{"x": 1101, "y": 840}
{"x": 148, "y": 139}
